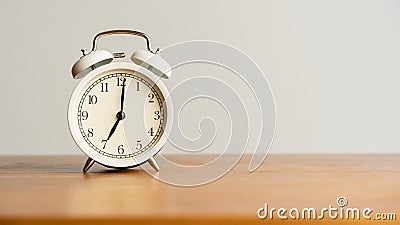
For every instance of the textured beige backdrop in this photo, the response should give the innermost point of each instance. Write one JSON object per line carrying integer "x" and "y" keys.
{"x": 333, "y": 66}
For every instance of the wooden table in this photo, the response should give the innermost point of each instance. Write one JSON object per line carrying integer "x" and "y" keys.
{"x": 52, "y": 190}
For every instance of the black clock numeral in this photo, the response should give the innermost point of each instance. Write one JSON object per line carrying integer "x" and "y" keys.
{"x": 157, "y": 115}
{"x": 151, "y": 132}
{"x": 105, "y": 142}
{"x": 104, "y": 87}
{"x": 139, "y": 145}
{"x": 92, "y": 99}
{"x": 137, "y": 86}
{"x": 151, "y": 97}
{"x": 84, "y": 115}
{"x": 121, "y": 149}
{"x": 121, "y": 81}
{"x": 90, "y": 132}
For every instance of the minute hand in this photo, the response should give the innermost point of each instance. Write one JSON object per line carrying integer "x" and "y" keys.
{"x": 120, "y": 114}
{"x": 122, "y": 99}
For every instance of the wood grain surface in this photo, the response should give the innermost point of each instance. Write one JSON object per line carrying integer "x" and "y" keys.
{"x": 52, "y": 190}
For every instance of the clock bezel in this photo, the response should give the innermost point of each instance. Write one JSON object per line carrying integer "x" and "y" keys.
{"x": 85, "y": 147}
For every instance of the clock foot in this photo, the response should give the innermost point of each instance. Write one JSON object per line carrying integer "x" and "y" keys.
{"x": 89, "y": 163}
{"x": 153, "y": 164}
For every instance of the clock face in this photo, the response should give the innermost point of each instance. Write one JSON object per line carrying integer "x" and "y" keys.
{"x": 118, "y": 115}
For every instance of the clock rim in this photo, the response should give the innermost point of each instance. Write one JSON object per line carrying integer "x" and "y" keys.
{"x": 83, "y": 145}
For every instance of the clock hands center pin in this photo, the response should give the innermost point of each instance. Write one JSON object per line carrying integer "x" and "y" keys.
{"x": 120, "y": 116}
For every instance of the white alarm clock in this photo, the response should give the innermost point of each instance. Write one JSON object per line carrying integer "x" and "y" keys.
{"x": 110, "y": 126}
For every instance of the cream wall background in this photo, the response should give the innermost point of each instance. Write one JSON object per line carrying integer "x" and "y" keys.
{"x": 333, "y": 66}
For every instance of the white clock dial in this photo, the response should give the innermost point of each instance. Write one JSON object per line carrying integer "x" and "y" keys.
{"x": 118, "y": 117}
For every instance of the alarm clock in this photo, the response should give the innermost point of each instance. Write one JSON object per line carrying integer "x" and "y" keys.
{"x": 118, "y": 114}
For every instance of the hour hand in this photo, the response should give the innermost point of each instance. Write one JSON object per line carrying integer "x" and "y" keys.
{"x": 113, "y": 129}
{"x": 111, "y": 132}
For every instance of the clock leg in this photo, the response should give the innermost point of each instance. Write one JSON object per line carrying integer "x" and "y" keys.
{"x": 153, "y": 164}
{"x": 89, "y": 163}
